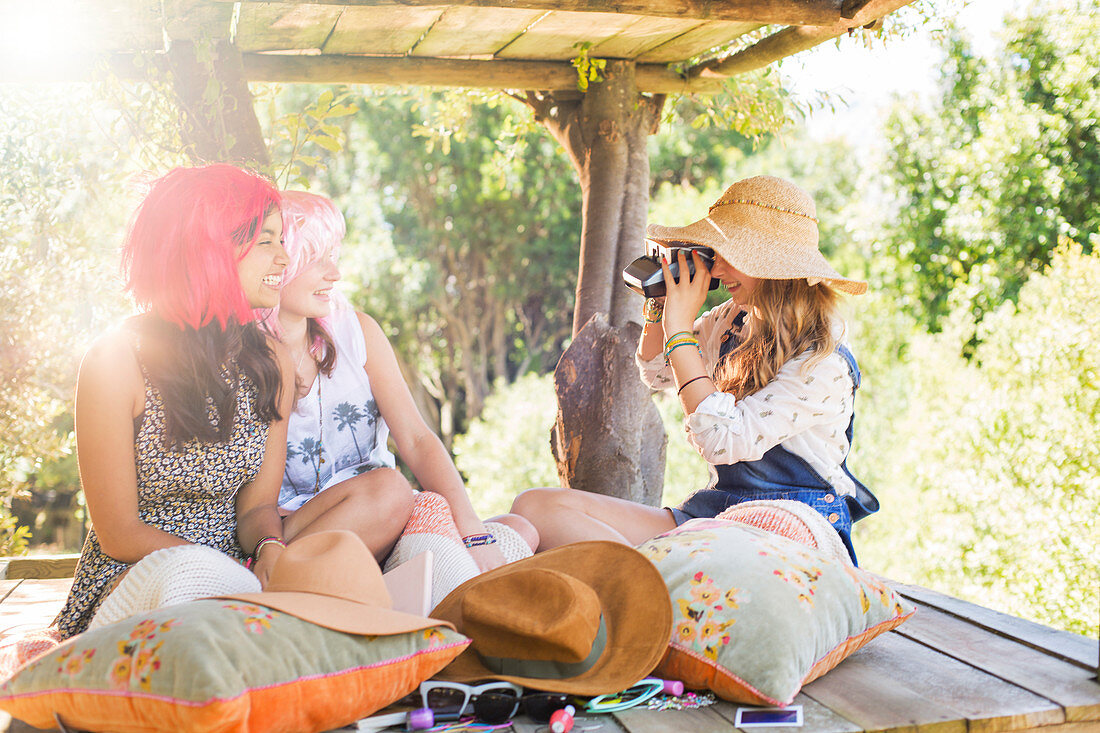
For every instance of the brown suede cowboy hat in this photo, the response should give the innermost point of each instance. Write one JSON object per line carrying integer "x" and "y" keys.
{"x": 332, "y": 579}
{"x": 585, "y": 619}
{"x": 766, "y": 227}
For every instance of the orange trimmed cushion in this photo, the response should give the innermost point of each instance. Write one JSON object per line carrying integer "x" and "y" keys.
{"x": 226, "y": 666}
{"x": 757, "y": 615}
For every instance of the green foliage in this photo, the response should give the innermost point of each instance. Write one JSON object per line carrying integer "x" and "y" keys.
{"x": 988, "y": 468}
{"x": 1005, "y": 164}
{"x": 589, "y": 70}
{"x": 507, "y": 448}
{"x": 62, "y": 213}
{"x": 295, "y": 136}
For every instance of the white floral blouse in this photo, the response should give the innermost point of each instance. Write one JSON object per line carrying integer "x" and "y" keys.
{"x": 806, "y": 413}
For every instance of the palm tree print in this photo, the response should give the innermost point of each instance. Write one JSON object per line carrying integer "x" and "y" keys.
{"x": 310, "y": 452}
{"x": 347, "y": 416}
{"x": 291, "y": 454}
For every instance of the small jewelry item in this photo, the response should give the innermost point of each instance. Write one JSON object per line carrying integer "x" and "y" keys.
{"x": 478, "y": 540}
{"x": 320, "y": 439}
{"x": 264, "y": 542}
{"x": 694, "y": 379}
{"x": 653, "y": 311}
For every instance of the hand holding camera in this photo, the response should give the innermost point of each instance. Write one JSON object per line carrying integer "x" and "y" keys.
{"x": 685, "y": 295}
{"x": 646, "y": 277}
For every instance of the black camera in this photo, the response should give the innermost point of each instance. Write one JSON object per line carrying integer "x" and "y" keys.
{"x": 644, "y": 275}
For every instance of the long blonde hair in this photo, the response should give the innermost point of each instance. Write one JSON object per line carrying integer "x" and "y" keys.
{"x": 786, "y": 318}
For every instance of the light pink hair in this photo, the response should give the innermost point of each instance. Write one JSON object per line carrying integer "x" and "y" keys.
{"x": 313, "y": 228}
{"x": 186, "y": 238}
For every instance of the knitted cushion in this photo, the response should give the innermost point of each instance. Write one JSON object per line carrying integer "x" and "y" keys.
{"x": 18, "y": 650}
{"x": 432, "y": 528}
{"x": 174, "y": 575}
{"x": 757, "y": 615}
{"x": 794, "y": 520}
{"x": 222, "y": 666}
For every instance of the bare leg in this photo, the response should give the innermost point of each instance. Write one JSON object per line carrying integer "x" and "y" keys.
{"x": 375, "y": 505}
{"x": 521, "y": 525}
{"x": 562, "y": 516}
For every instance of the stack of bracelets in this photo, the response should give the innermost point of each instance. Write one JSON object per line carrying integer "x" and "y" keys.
{"x": 251, "y": 559}
{"x": 678, "y": 339}
{"x": 478, "y": 540}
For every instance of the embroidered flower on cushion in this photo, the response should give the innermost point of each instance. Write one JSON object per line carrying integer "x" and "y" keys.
{"x": 120, "y": 673}
{"x": 257, "y": 619}
{"x": 685, "y": 632}
{"x": 145, "y": 664}
{"x": 71, "y": 664}
{"x": 703, "y": 589}
{"x": 434, "y": 637}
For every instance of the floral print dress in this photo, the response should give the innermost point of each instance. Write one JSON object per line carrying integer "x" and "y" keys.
{"x": 190, "y": 492}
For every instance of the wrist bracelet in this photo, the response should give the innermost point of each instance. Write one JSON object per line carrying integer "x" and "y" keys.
{"x": 478, "y": 540}
{"x": 269, "y": 540}
{"x": 653, "y": 311}
{"x": 695, "y": 379}
{"x": 673, "y": 337}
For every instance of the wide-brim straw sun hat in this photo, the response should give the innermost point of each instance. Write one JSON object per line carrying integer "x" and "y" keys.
{"x": 765, "y": 227}
{"x": 586, "y": 618}
{"x": 332, "y": 579}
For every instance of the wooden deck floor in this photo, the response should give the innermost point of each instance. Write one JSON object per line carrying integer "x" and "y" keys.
{"x": 953, "y": 668}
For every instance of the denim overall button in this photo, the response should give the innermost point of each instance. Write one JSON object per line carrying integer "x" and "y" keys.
{"x": 829, "y": 498}
{"x": 833, "y": 517}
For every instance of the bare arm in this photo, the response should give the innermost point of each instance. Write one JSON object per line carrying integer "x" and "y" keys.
{"x": 420, "y": 448}
{"x": 110, "y": 394}
{"x": 257, "y": 502}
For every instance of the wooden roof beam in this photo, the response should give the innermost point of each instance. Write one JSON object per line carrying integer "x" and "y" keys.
{"x": 768, "y": 12}
{"x": 790, "y": 41}
{"x": 468, "y": 73}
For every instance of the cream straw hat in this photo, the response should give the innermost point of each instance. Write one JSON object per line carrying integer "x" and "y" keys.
{"x": 765, "y": 227}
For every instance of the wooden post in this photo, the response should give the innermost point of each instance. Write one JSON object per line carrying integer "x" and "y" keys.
{"x": 609, "y": 437}
{"x": 217, "y": 120}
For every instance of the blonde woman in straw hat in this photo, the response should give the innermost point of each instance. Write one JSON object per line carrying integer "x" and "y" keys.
{"x": 765, "y": 380}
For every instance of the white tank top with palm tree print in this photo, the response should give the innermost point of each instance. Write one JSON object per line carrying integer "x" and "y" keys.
{"x": 336, "y": 431}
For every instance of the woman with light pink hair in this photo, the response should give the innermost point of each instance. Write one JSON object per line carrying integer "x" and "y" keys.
{"x": 340, "y": 473}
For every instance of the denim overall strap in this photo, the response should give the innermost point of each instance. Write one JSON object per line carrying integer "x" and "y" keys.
{"x": 780, "y": 474}
{"x": 864, "y": 502}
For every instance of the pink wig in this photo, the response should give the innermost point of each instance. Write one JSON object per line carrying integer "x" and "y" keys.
{"x": 313, "y": 229}
{"x": 187, "y": 236}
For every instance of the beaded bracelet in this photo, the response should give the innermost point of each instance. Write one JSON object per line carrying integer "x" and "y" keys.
{"x": 653, "y": 311}
{"x": 478, "y": 540}
{"x": 676, "y": 335}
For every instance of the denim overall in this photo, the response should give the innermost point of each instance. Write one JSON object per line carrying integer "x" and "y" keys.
{"x": 780, "y": 474}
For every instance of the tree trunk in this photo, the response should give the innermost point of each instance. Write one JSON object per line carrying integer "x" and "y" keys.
{"x": 608, "y": 437}
{"x": 217, "y": 121}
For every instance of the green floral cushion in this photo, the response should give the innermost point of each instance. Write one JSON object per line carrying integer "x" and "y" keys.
{"x": 222, "y": 665}
{"x": 756, "y": 615}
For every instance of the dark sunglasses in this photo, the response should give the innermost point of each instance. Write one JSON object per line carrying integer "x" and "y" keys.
{"x": 492, "y": 702}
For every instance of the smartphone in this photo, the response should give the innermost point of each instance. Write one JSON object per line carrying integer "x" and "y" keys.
{"x": 761, "y": 717}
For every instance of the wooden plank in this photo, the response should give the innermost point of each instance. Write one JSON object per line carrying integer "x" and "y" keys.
{"x": 700, "y": 720}
{"x": 816, "y": 718}
{"x": 32, "y": 605}
{"x": 894, "y": 683}
{"x": 641, "y": 36}
{"x": 776, "y": 12}
{"x": 697, "y": 41}
{"x": 471, "y": 73}
{"x": 465, "y": 32}
{"x": 1074, "y": 648}
{"x": 51, "y": 566}
{"x": 381, "y": 30}
{"x": 555, "y": 34}
{"x": 1066, "y": 684}
{"x": 285, "y": 27}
